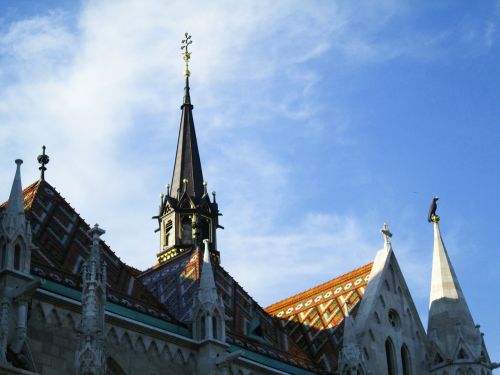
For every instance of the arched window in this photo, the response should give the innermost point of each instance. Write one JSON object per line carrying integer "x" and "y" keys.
{"x": 3, "y": 254}
{"x": 168, "y": 236}
{"x": 187, "y": 231}
{"x": 17, "y": 257}
{"x": 390, "y": 356}
{"x": 471, "y": 372}
{"x": 405, "y": 359}
{"x": 215, "y": 328}
{"x": 460, "y": 372}
{"x": 202, "y": 327}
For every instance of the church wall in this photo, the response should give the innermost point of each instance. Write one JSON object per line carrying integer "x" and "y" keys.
{"x": 53, "y": 340}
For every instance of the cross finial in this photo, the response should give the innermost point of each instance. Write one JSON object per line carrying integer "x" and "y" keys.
{"x": 43, "y": 159}
{"x": 386, "y": 233}
{"x": 186, "y": 55}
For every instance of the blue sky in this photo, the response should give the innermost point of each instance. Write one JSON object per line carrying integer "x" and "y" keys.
{"x": 316, "y": 123}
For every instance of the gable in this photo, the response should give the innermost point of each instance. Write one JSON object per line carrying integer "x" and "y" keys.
{"x": 387, "y": 314}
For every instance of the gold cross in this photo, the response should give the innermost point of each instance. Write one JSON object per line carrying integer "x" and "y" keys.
{"x": 186, "y": 55}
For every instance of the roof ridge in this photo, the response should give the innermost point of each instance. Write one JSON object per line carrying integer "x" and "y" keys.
{"x": 302, "y": 294}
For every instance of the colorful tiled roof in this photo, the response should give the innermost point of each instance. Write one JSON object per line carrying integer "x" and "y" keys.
{"x": 314, "y": 318}
{"x": 175, "y": 282}
{"x": 60, "y": 235}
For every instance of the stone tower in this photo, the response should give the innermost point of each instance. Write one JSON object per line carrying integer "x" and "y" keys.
{"x": 457, "y": 345}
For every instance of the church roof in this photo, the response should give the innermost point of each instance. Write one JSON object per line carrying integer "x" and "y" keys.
{"x": 60, "y": 235}
{"x": 314, "y": 318}
{"x": 175, "y": 283}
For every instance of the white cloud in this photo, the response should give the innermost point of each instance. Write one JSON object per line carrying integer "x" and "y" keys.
{"x": 104, "y": 97}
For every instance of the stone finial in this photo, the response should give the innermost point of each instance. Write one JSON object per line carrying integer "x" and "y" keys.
{"x": 96, "y": 233}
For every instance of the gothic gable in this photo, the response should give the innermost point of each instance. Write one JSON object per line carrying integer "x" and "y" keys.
{"x": 387, "y": 331}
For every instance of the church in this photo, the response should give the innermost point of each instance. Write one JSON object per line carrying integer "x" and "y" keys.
{"x": 69, "y": 305}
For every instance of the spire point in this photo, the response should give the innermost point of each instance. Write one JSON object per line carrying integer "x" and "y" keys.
{"x": 186, "y": 55}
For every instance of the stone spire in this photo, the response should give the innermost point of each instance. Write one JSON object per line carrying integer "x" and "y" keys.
{"x": 207, "y": 292}
{"x": 457, "y": 341}
{"x": 444, "y": 282}
{"x": 14, "y": 213}
{"x": 187, "y": 174}
{"x": 90, "y": 357}
{"x": 208, "y": 308}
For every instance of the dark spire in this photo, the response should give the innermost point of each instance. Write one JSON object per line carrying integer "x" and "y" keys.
{"x": 187, "y": 159}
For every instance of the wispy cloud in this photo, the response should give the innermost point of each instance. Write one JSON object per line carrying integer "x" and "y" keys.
{"x": 104, "y": 95}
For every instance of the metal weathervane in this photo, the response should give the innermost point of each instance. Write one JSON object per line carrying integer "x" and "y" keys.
{"x": 186, "y": 55}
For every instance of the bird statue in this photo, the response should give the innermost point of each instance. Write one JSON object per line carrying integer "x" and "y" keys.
{"x": 432, "y": 210}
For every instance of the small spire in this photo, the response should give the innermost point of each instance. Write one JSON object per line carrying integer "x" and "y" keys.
{"x": 205, "y": 184}
{"x": 214, "y": 194}
{"x": 208, "y": 290}
{"x": 96, "y": 234}
{"x": 387, "y": 235}
{"x": 15, "y": 206}
{"x": 43, "y": 160}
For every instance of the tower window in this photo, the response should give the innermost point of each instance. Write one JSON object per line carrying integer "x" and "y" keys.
{"x": 17, "y": 257}
{"x": 168, "y": 236}
{"x": 187, "y": 231}
{"x": 3, "y": 255}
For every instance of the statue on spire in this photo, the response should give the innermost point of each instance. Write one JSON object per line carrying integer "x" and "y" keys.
{"x": 186, "y": 55}
{"x": 432, "y": 217}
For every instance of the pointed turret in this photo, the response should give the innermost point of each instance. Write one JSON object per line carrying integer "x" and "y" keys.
{"x": 207, "y": 291}
{"x": 208, "y": 308}
{"x": 14, "y": 213}
{"x": 456, "y": 340}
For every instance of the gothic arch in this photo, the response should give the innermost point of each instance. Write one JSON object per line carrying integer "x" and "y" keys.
{"x": 19, "y": 254}
{"x": 3, "y": 252}
{"x": 140, "y": 346}
{"x": 153, "y": 349}
{"x": 390, "y": 357}
{"x": 114, "y": 368}
{"x": 166, "y": 353}
{"x": 179, "y": 357}
{"x": 113, "y": 336}
{"x": 406, "y": 360}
